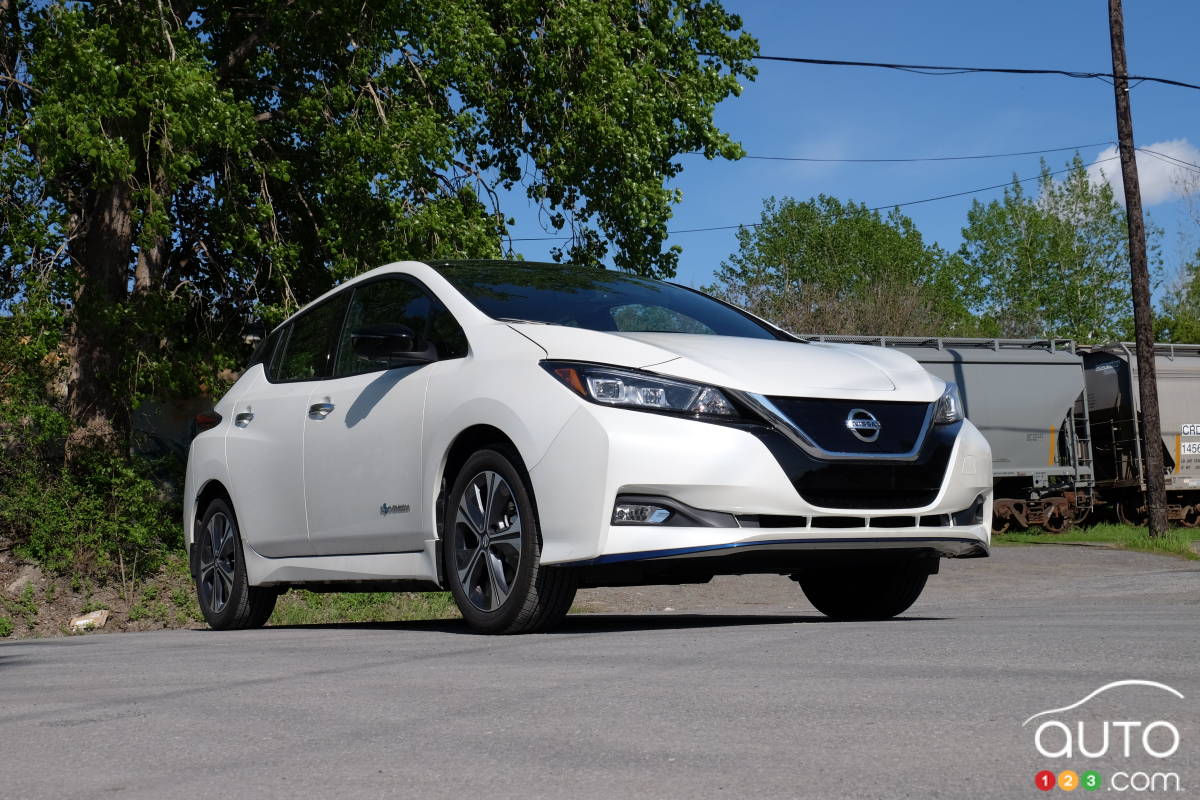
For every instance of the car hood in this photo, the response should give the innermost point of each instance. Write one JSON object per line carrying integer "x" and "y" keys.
{"x": 763, "y": 366}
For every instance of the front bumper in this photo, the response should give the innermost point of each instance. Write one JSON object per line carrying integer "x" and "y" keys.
{"x": 748, "y": 472}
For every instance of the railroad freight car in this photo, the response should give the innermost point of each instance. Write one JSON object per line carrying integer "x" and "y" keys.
{"x": 1116, "y": 422}
{"x": 1027, "y": 398}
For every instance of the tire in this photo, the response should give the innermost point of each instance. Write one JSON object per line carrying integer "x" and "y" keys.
{"x": 492, "y": 551}
{"x": 866, "y": 591}
{"x": 227, "y": 599}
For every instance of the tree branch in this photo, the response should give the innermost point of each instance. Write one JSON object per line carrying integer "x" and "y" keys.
{"x": 239, "y": 54}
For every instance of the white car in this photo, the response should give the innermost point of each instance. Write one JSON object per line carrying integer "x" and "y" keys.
{"x": 512, "y": 431}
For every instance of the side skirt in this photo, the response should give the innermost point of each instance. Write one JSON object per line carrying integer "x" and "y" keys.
{"x": 346, "y": 573}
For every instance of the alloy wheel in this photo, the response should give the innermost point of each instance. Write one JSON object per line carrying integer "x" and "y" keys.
{"x": 487, "y": 544}
{"x": 218, "y": 556}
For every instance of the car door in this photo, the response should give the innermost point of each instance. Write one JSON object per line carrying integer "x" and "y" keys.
{"x": 265, "y": 444}
{"x": 362, "y": 446}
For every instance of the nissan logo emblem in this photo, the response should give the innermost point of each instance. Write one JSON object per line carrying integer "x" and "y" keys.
{"x": 863, "y": 424}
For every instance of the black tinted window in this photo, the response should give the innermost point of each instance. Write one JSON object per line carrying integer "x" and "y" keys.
{"x": 601, "y": 300}
{"x": 306, "y": 353}
{"x": 264, "y": 353}
{"x": 396, "y": 301}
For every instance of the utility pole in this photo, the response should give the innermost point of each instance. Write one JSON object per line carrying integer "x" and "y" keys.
{"x": 1143, "y": 320}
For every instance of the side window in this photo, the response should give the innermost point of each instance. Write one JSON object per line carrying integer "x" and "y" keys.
{"x": 272, "y": 366}
{"x": 447, "y": 334}
{"x": 307, "y": 349}
{"x": 265, "y": 351}
{"x": 397, "y": 302}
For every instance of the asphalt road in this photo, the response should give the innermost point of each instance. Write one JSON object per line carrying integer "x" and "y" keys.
{"x": 742, "y": 690}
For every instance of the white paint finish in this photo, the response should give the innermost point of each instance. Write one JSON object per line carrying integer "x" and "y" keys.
{"x": 266, "y": 464}
{"x": 763, "y": 366}
{"x": 603, "y": 452}
{"x": 366, "y": 452}
{"x": 376, "y": 567}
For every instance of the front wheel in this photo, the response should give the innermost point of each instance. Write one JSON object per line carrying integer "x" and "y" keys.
{"x": 861, "y": 592}
{"x": 492, "y": 551}
{"x": 227, "y": 599}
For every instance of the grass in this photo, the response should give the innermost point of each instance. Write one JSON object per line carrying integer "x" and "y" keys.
{"x": 1177, "y": 541}
{"x": 299, "y": 607}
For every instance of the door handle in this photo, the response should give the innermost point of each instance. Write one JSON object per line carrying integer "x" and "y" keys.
{"x": 243, "y": 418}
{"x": 320, "y": 410}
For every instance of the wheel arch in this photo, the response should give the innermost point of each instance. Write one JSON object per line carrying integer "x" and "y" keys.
{"x": 468, "y": 441}
{"x": 212, "y": 490}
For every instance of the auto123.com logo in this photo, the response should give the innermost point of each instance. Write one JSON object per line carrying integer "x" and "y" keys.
{"x": 1098, "y": 743}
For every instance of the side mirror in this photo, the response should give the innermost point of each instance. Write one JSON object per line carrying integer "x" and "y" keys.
{"x": 396, "y": 344}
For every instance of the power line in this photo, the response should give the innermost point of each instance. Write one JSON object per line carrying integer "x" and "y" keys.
{"x": 1179, "y": 162}
{"x": 926, "y": 158}
{"x": 876, "y": 208}
{"x": 926, "y": 69}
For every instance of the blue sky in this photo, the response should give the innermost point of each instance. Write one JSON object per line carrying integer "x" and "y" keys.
{"x": 844, "y": 112}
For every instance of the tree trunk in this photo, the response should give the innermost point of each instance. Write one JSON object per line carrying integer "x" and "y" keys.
{"x": 96, "y": 402}
{"x": 151, "y": 264}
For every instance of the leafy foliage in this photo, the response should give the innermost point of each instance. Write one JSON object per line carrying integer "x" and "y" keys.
{"x": 1055, "y": 264}
{"x": 86, "y": 520}
{"x": 824, "y": 266}
{"x": 1179, "y": 320}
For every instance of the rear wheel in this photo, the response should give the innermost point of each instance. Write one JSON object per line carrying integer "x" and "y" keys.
{"x": 227, "y": 599}
{"x": 874, "y": 591}
{"x": 492, "y": 551}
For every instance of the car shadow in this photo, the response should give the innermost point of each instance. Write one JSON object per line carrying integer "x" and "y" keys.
{"x": 606, "y": 623}
{"x": 375, "y": 391}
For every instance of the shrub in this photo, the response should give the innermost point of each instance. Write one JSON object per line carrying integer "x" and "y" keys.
{"x": 100, "y": 516}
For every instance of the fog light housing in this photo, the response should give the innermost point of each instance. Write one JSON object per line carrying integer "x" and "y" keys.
{"x": 639, "y": 514}
{"x": 972, "y": 515}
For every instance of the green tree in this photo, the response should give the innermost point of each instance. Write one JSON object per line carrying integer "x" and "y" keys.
{"x": 1179, "y": 318}
{"x": 824, "y": 266}
{"x": 1054, "y": 264}
{"x": 171, "y": 169}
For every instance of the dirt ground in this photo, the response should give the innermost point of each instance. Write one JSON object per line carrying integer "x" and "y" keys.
{"x": 37, "y": 603}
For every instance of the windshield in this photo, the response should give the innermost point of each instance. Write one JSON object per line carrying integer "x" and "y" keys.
{"x": 600, "y": 300}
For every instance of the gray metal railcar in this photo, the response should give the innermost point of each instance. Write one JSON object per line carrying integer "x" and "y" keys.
{"x": 1116, "y": 421}
{"x": 1027, "y": 398}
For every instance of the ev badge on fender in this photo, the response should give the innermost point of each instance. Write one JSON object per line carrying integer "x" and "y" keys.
{"x": 863, "y": 424}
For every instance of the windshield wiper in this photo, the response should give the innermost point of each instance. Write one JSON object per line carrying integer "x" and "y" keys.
{"x": 518, "y": 319}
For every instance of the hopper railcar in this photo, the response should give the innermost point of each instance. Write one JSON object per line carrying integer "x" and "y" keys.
{"x": 1116, "y": 423}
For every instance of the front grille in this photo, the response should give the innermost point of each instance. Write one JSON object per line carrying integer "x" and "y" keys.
{"x": 866, "y": 483}
{"x": 824, "y": 421}
{"x": 858, "y": 485}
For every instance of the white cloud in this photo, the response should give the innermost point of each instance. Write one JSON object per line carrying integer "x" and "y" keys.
{"x": 1161, "y": 179}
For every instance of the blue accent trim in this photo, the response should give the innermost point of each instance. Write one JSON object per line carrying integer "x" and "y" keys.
{"x": 644, "y": 555}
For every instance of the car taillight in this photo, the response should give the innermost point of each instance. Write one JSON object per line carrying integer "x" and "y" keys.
{"x": 207, "y": 420}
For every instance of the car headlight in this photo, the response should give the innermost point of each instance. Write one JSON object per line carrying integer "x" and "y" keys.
{"x": 949, "y": 406}
{"x": 610, "y": 386}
